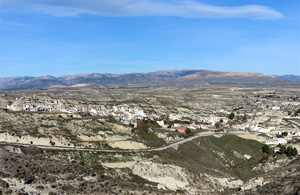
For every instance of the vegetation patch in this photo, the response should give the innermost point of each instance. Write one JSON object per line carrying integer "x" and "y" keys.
{"x": 151, "y": 138}
{"x": 186, "y": 107}
{"x": 89, "y": 160}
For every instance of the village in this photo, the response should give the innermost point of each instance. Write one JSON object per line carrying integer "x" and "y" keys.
{"x": 158, "y": 135}
{"x": 265, "y": 120}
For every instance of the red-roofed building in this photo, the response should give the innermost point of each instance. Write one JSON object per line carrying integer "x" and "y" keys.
{"x": 180, "y": 129}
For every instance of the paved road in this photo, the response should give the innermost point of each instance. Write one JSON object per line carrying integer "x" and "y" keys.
{"x": 110, "y": 151}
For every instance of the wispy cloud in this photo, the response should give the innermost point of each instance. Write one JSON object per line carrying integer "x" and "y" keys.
{"x": 180, "y": 8}
{"x": 8, "y": 24}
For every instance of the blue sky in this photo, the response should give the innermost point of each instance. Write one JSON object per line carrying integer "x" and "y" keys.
{"x": 62, "y": 37}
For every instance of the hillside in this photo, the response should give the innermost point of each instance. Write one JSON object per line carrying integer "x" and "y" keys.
{"x": 13, "y": 81}
{"x": 38, "y": 83}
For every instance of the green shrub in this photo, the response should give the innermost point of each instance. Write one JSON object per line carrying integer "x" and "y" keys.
{"x": 188, "y": 131}
{"x": 289, "y": 151}
{"x": 266, "y": 149}
{"x": 231, "y": 116}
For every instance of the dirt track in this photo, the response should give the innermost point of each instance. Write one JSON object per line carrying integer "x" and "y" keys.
{"x": 109, "y": 151}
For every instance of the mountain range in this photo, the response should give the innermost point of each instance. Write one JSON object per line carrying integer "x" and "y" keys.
{"x": 158, "y": 78}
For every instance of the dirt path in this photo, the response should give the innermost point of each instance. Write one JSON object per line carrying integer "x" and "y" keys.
{"x": 113, "y": 151}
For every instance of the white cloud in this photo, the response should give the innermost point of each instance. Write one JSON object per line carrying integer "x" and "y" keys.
{"x": 180, "y": 8}
{"x": 4, "y": 23}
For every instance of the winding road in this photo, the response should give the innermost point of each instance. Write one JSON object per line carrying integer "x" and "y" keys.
{"x": 113, "y": 151}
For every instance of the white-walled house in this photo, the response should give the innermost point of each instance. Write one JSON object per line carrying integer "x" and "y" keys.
{"x": 93, "y": 112}
{"x": 275, "y": 108}
{"x": 277, "y": 141}
{"x": 174, "y": 117}
{"x": 161, "y": 123}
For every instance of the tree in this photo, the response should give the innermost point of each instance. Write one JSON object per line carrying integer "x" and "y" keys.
{"x": 294, "y": 152}
{"x": 266, "y": 149}
{"x": 188, "y": 131}
{"x": 283, "y": 149}
{"x": 245, "y": 117}
{"x": 284, "y": 134}
{"x": 231, "y": 116}
{"x": 291, "y": 151}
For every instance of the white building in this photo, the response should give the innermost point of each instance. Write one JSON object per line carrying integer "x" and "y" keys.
{"x": 277, "y": 141}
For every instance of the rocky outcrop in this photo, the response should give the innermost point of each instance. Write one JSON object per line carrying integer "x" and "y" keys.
{"x": 167, "y": 176}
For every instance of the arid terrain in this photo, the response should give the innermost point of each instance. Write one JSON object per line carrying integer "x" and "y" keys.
{"x": 158, "y": 140}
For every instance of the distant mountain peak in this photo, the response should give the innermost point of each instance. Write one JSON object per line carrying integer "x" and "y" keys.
{"x": 47, "y": 77}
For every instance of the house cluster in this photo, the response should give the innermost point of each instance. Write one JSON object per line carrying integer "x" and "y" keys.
{"x": 51, "y": 106}
{"x": 203, "y": 122}
{"x": 35, "y": 104}
{"x": 129, "y": 115}
{"x": 123, "y": 113}
{"x": 181, "y": 128}
{"x": 276, "y": 136}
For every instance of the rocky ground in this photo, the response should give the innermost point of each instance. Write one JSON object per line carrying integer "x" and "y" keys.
{"x": 27, "y": 172}
{"x": 219, "y": 164}
{"x": 283, "y": 180}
